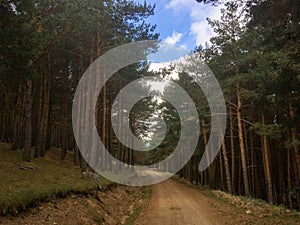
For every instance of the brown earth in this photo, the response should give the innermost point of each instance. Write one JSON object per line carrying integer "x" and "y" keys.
{"x": 112, "y": 207}
{"x": 180, "y": 203}
{"x": 175, "y": 202}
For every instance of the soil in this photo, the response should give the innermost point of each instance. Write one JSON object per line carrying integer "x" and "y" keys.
{"x": 108, "y": 207}
{"x": 173, "y": 202}
{"x": 181, "y": 203}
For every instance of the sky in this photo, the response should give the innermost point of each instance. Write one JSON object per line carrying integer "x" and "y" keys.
{"x": 182, "y": 26}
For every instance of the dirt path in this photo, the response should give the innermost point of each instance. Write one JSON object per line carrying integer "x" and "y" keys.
{"x": 175, "y": 203}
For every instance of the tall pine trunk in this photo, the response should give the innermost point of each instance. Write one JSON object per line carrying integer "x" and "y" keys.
{"x": 19, "y": 118}
{"x": 226, "y": 165}
{"x": 267, "y": 167}
{"x": 209, "y": 177}
{"x": 296, "y": 157}
{"x": 232, "y": 151}
{"x": 28, "y": 130}
{"x": 241, "y": 140}
{"x": 77, "y": 153}
{"x": 104, "y": 129}
{"x": 45, "y": 109}
{"x": 289, "y": 179}
{"x": 65, "y": 122}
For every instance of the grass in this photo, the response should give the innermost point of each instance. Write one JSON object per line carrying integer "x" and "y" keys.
{"x": 148, "y": 193}
{"x": 21, "y": 189}
{"x": 138, "y": 208}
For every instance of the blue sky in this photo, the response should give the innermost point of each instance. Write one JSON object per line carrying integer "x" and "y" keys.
{"x": 182, "y": 26}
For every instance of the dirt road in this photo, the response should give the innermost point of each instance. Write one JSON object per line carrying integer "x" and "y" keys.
{"x": 175, "y": 203}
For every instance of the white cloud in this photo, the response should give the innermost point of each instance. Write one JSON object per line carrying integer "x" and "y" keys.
{"x": 200, "y": 28}
{"x": 172, "y": 40}
{"x": 169, "y": 49}
{"x": 167, "y": 52}
{"x": 205, "y": 11}
{"x": 173, "y": 4}
{"x": 156, "y": 67}
{"x": 198, "y": 12}
{"x": 202, "y": 32}
{"x": 183, "y": 46}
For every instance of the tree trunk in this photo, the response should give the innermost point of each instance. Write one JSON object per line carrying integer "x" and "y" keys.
{"x": 289, "y": 180}
{"x": 221, "y": 179}
{"x": 120, "y": 121}
{"x": 45, "y": 109}
{"x": 266, "y": 157}
{"x": 232, "y": 151}
{"x": 296, "y": 157}
{"x": 226, "y": 165}
{"x": 28, "y": 130}
{"x": 253, "y": 166}
{"x": 38, "y": 112}
{"x": 95, "y": 112}
{"x": 241, "y": 140}
{"x": 210, "y": 169}
{"x": 104, "y": 130}
{"x": 64, "y": 124}
{"x": 42, "y": 110}
{"x": 19, "y": 119}
{"x": 77, "y": 153}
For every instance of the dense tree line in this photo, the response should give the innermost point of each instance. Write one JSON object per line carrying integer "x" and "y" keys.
{"x": 255, "y": 56}
{"x": 45, "y": 48}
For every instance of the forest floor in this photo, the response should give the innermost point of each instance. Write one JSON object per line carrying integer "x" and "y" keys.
{"x": 173, "y": 202}
{"x": 56, "y": 194}
{"x": 50, "y": 191}
{"x": 114, "y": 206}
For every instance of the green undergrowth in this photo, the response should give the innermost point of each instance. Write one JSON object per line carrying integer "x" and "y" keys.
{"x": 22, "y": 189}
{"x": 140, "y": 206}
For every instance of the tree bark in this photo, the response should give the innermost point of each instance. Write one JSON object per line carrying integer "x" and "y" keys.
{"x": 226, "y": 165}
{"x": 120, "y": 121}
{"x": 64, "y": 124}
{"x": 19, "y": 119}
{"x": 296, "y": 157}
{"x": 77, "y": 153}
{"x": 289, "y": 180}
{"x": 209, "y": 170}
{"x": 28, "y": 130}
{"x": 104, "y": 130}
{"x": 45, "y": 108}
{"x": 241, "y": 140}
{"x": 266, "y": 157}
{"x": 38, "y": 112}
{"x": 232, "y": 151}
